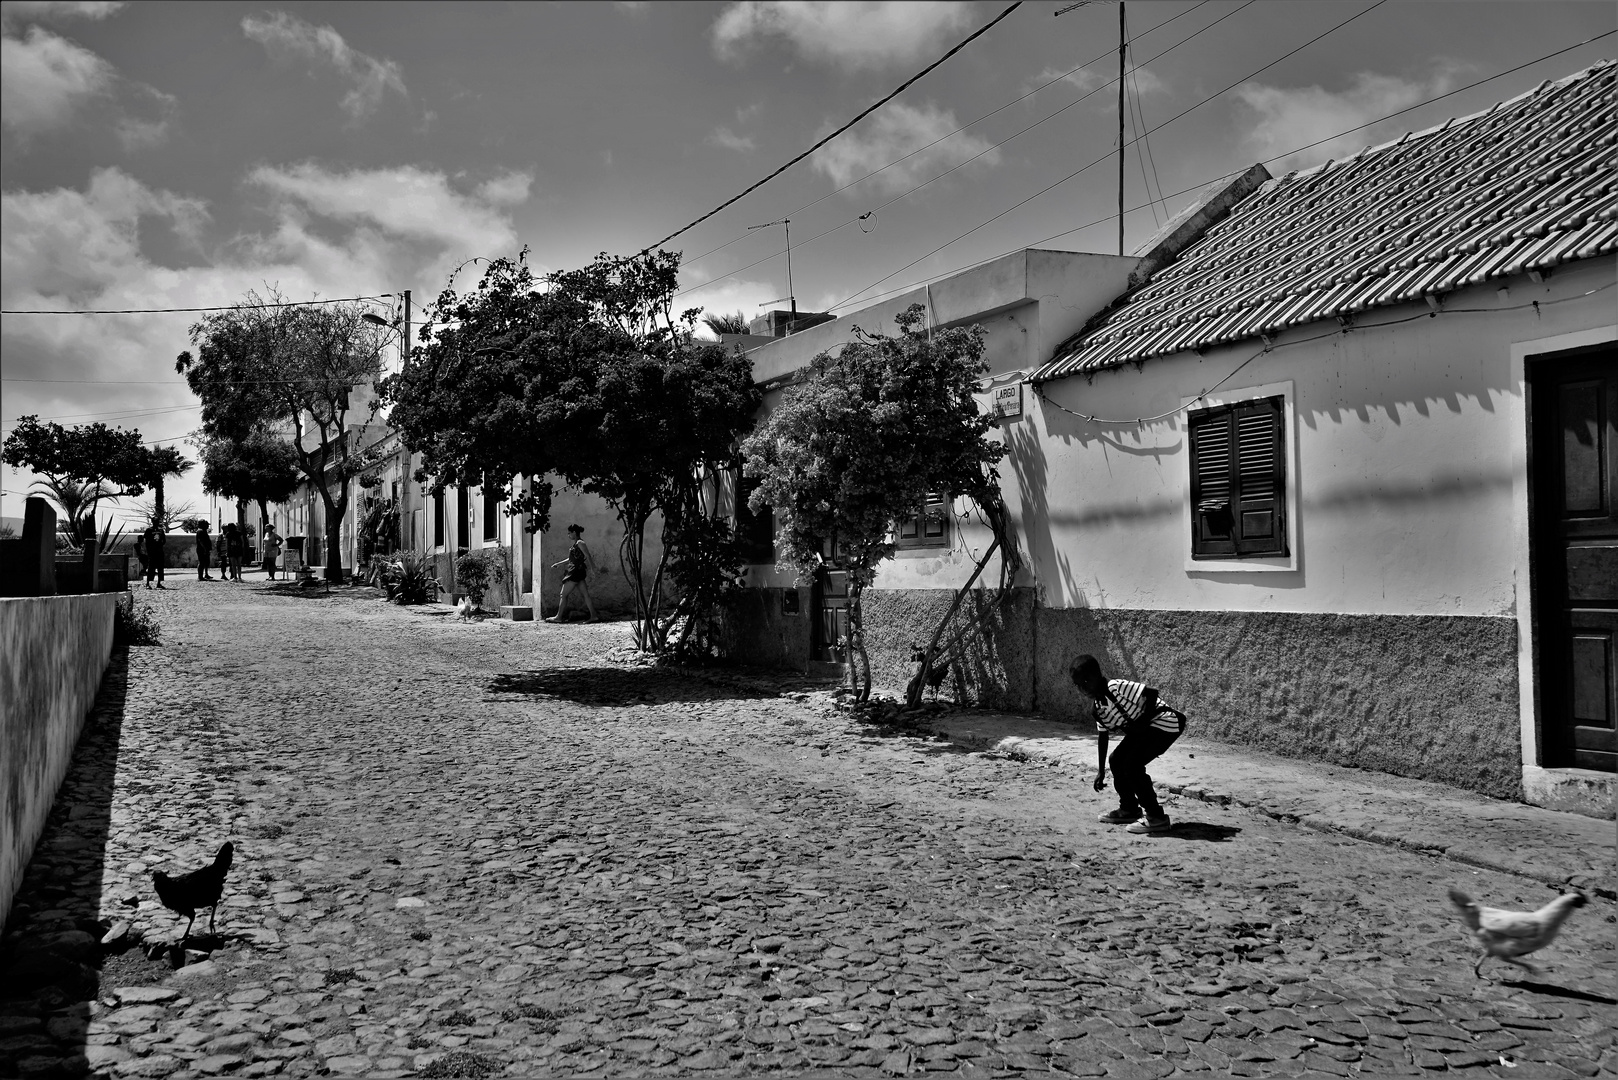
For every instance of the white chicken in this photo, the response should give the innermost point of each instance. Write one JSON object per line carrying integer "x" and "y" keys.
{"x": 1507, "y": 935}
{"x": 466, "y": 607}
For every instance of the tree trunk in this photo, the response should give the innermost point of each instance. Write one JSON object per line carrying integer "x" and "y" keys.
{"x": 335, "y": 509}
{"x": 859, "y": 664}
{"x": 159, "y": 514}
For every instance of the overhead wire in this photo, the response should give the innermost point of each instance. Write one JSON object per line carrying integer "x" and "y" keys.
{"x": 1200, "y": 184}
{"x": 971, "y": 123}
{"x": 961, "y": 164}
{"x": 164, "y": 311}
{"x": 867, "y": 111}
{"x": 1021, "y": 202}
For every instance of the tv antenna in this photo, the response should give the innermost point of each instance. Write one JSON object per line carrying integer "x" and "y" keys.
{"x": 791, "y": 296}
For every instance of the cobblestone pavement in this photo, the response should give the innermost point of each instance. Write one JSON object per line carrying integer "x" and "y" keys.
{"x": 472, "y": 848}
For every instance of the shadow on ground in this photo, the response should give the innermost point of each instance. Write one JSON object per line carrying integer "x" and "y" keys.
{"x": 1201, "y": 830}
{"x": 51, "y": 957}
{"x": 617, "y": 686}
{"x": 1552, "y": 990}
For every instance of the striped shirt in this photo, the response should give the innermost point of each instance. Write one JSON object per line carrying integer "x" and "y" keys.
{"x": 1123, "y": 708}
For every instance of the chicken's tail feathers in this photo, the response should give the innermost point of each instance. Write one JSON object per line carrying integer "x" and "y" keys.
{"x": 1469, "y": 910}
{"x": 226, "y": 855}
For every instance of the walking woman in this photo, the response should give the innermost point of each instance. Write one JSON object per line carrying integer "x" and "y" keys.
{"x": 579, "y": 563}
{"x": 272, "y": 550}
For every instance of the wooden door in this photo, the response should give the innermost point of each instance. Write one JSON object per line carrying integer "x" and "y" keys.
{"x": 1574, "y": 454}
{"x": 828, "y": 601}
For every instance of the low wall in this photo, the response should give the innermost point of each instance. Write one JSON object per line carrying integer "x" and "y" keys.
{"x": 53, "y": 651}
{"x": 1427, "y": 696}
{"x": 991, "y": 667}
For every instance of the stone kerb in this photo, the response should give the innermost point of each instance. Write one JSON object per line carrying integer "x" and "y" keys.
{"x": 53, "y": 652}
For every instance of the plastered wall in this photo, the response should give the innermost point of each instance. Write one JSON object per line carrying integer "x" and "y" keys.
{"x": 53, "y": 651}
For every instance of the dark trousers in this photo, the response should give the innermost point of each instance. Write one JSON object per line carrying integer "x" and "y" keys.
{"x": 1140, "y": 745}
{"x": 203, "y": 561}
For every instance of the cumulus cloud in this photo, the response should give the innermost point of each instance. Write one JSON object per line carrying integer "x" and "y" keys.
{"x": 507, "y": 189}
{"x": 288, "y": 38}
{"x": 729, "y": 294}
{"x": 840, "y": 33}
{"x": 45, "y": 80}
{"x": 15, "y": 11}
{"x": 897, "y": 130}
{"x": 1288, "y": 117}
{"x": 328, "y": 234}
{"x": 405, "y": 202}
{"x": 723, "y": 137}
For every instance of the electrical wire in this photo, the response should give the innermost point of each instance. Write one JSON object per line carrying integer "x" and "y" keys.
{"x": 1082, "y": 168}
{"x": 1145, "y": 137}
{"x": 961, "y": 164}
{"x": 1344, "y": 331}
{"x": 1200, "y": 184}
{"x": 985, "y": 28}
{"x": 963, "y": 127}
{"x": 167, "y": 310}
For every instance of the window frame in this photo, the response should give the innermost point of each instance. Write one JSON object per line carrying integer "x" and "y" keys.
{"x": 493, "y": 498}
{"x": 921, "y": 539}
{"x": 1235, "y": 562}
{"x": 755, "y": 553}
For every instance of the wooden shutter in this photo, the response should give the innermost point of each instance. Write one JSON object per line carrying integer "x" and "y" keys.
{"x": 1238, "y": 480}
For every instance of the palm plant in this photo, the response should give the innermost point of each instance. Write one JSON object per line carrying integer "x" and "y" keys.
{"x": 163, "y": 462}
{"x": 721, "y": 323}
{"x": 75, "y": 500}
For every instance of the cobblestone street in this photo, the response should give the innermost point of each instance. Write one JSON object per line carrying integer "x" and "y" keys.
{"x": 469, "y": 848}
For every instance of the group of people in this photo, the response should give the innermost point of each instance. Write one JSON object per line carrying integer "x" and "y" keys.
{"x": 230, "y": 549}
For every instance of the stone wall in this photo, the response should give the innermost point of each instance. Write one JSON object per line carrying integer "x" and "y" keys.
{"x": 53, "y": 651}
{"x": 991, "y": 666}
{"x": 1427, "y": 696}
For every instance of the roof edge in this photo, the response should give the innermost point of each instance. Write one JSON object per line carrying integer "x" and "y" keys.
{"x": 1210, "y": 206}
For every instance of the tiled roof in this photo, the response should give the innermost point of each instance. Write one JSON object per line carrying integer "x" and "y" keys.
{"x": 1527, "y": 184}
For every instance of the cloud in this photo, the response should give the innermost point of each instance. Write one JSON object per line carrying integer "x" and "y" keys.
{"x": 723, "y": 136}
{"x": 328, "y": 234}
{"x": 1085, "y": 80}
{"x": 405, "y": 202}
{"x": 1288, "y": 117}
{"x": 14, "y": 11}
{"x": 286, "y": 37}
{"x": 45, "y": 80}
{"x": 507, "y": 189}
{"x": 841, "y": 33}
{"x": 729, "y": 294}
{"x": 895, "y": 131}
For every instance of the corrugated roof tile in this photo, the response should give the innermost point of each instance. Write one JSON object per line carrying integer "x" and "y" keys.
{"x": 1526, "y": 183}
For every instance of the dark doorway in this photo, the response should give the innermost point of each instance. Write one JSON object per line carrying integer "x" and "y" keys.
{"x": 828, "y": 602}
{"x": 1573, "y": 463}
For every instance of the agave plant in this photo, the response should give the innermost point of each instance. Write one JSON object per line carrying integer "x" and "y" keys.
{"x": 409, "y": 579}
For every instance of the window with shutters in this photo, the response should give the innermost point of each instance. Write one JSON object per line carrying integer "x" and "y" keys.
{"x": 930, "y": 528}
{"x": 1239, "y": 480}
{"x": 492, "y": 497}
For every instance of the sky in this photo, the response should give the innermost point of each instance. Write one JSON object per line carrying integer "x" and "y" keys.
{"x": 171, "y": 155}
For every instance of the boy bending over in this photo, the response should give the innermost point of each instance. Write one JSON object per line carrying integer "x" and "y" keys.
{"x": 1149, "y": 726}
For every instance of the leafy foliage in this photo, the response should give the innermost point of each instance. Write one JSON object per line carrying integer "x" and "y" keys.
{"x": 860, "y": 444}
{"x": 75, "y": 501}
{"x": 721, "y": 323}
{"x": 472, "y": 575}
{"x": 589, "y": 377}
{"x": 100, "y": 461}
{"x": 265, "y": 364}
{"x": 259, "y": 467}
{"x": 135, "y": 625}
{"x": 408, "y": 579}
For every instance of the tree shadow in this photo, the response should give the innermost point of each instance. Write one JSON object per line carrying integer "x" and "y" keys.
{"x": 51, "y": 957}
{"x": 620, "y": 687}
{"x": 1553, "y": 990}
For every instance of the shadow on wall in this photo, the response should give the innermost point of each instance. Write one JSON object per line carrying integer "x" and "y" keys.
{"x": 756, "y": 628}
{"x": 52, "y": 962}
{"x": 1428, "y": 696}
{"x": 991, "y": 665}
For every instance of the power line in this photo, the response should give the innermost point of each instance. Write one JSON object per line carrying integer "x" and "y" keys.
{"x": 113, "y": 414}
{"x": 866, "y": 112}
{"x": 972, "y": 123}
{"x": 1198, "y": 185}
{"x": 164, "y": 311}
{"x": 1082, "y": 168}
{"x": 979, "y": 154}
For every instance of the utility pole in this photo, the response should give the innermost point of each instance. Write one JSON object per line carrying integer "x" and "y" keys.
{"x": 1123, "y": 41}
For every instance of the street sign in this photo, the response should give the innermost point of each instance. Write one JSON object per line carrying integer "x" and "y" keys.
{"x": 1008, "y": 400}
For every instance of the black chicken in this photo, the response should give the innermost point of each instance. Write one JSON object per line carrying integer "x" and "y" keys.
{"x": 936, "y": 674}
{"x": 183, "y": 895}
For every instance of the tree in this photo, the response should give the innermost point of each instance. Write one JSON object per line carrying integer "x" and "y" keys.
{"x": 159, "y": 463}
{"x": 260, "y": 467}
{"x": 268, "y": 363}
{"x": 588, "y": 376}
{"x": 861, "y": 443}
{"x": 169, "y": 517}
{"x": 100, "y": 461}
{"x": 721, "y": 323}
